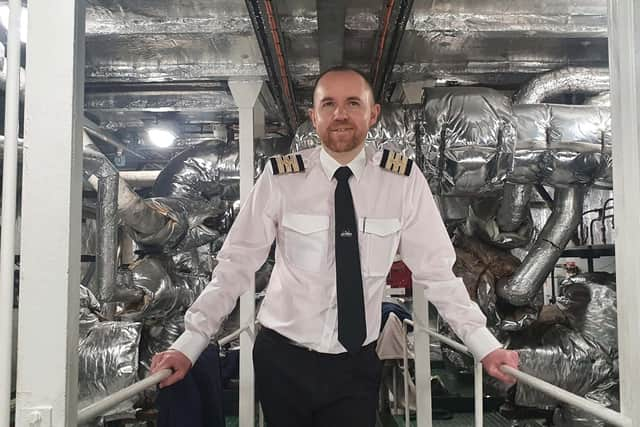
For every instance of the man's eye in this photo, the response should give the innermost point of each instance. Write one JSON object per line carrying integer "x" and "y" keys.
{"x": 354, "y": 103}
{"x": 327, "y": 104}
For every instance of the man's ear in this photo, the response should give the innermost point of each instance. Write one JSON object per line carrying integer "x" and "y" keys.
{"x": 375, "y": 113}
{"x": 312, "y": 116}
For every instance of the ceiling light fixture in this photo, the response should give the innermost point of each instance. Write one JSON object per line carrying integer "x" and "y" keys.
{"x": 161, "y": 137}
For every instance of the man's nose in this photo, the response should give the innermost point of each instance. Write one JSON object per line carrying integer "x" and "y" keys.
{"x": 340, "y": 113}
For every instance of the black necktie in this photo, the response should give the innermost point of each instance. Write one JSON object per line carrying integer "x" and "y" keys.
{"x": 352, "y": 330}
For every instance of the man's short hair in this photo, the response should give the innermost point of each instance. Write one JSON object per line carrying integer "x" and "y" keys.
{"x": 343, "y": 68}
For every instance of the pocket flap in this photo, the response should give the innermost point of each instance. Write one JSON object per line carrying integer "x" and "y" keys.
{"x": 305, "y": 224}
{"x": 380, "y": 226}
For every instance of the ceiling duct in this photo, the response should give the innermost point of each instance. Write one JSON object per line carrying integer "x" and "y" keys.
{"x": 331, "y": 25}
{"x": 566, "y": 80}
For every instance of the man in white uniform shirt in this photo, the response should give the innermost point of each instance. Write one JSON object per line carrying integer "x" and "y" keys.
{"x": 315, "y": 365}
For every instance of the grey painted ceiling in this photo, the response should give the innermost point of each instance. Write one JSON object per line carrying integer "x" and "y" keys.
{"x": 149, "y": 61}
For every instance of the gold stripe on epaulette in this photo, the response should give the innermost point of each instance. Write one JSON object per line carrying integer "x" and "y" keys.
{"x": 396, "y": 162}
{"x": 290, "y": 163}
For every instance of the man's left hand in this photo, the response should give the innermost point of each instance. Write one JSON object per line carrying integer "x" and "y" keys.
{"x": 497, "y": 358}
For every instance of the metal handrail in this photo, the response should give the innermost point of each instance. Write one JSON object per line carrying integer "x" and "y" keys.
{"x": 613, "y": 417}
{"x": 98, "y": 408}
{"x": 608, "y": 415}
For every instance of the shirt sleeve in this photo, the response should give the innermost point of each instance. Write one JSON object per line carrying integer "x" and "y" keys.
{"x": 426, "y": 249}
{"x": 244, "y": 250}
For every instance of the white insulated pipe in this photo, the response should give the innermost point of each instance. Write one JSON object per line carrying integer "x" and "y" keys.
{"x": 140, "y": 178}
{"x": 9, "y": 195}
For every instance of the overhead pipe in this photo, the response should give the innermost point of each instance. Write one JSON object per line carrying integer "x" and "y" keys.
{"x": 144, "y": 178}
{"x": 566, "y": 80}
{"x": 396, "y": 15}
{"x": 267, "y": 30}
{"x": 521, "y": 288}
{"x": 93, "y": 130}
{"x": 9, "y": 196}
{"x": 602, "y": 99}
{"x": 131, "y": 207}
{"x": 514, "y": 210}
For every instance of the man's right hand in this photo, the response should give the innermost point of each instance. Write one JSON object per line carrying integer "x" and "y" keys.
{"x": 174, "y": 360}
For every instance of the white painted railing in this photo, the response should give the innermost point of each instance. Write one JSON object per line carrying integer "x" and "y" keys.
{"x": 98, "y": 408}
{"x": 608, "y": 415}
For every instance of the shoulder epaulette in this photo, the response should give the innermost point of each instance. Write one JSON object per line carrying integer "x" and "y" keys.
{"x": 289, "y": 163}
{"x": 396, "y": 162}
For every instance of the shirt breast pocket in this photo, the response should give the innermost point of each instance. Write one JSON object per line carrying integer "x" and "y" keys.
{"x": 306, "y": 240}
{"x": 381, "y": 238}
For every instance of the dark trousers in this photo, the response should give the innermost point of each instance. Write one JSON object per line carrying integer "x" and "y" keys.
{"x": 302, "y": 388}
{"x": 196, "y": 401}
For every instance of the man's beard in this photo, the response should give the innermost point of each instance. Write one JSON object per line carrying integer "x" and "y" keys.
{"x": 343, "y": 143}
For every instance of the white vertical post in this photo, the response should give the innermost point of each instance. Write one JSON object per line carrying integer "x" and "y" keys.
{"x": 9, "y": 179}
{"x": 47, "y": 387}
{"x": 422, "y": 359}
{"x": 624, "y": 64}
{"x": 405, "y": 373}
{"x": 245, "y": 95}
{"x": 478, "y": 393}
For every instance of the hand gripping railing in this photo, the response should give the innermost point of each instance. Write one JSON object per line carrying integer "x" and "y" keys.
{"x": 608, "y": 415}
{"x": 98, "y": 408}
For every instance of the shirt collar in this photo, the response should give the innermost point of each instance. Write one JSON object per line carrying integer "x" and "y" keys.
{"x": 330, "y": 165}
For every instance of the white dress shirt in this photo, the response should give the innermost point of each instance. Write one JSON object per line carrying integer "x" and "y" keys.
{"x": 395, "y": 213}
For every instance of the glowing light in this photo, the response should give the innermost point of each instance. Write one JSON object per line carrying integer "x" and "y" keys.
{"x": 161, "y": 137}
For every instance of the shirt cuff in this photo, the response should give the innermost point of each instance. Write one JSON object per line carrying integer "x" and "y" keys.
{"x": 481, "y": 342}
{"x": 191, "y": 344}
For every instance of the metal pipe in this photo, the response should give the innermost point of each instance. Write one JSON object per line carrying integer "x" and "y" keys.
{"x": 131, "y": 207}
{"x": 9, "y": 196}
{"x": 107, "y": 238}
{"x": 267, "y": 29}
{"x": 392, "y": 30}
{"x": 513, "y": 210}
{"x": 90, "y": 128}
{"x": 565, "y": 80}
{"x": 448, "y": 341}
{"x": 140, "y": 178}
{"x": 232, "y": 336}
{"x": 608, "y": 415}
{"x": 98, "y": 408}
{"x": 521, "y": 288}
